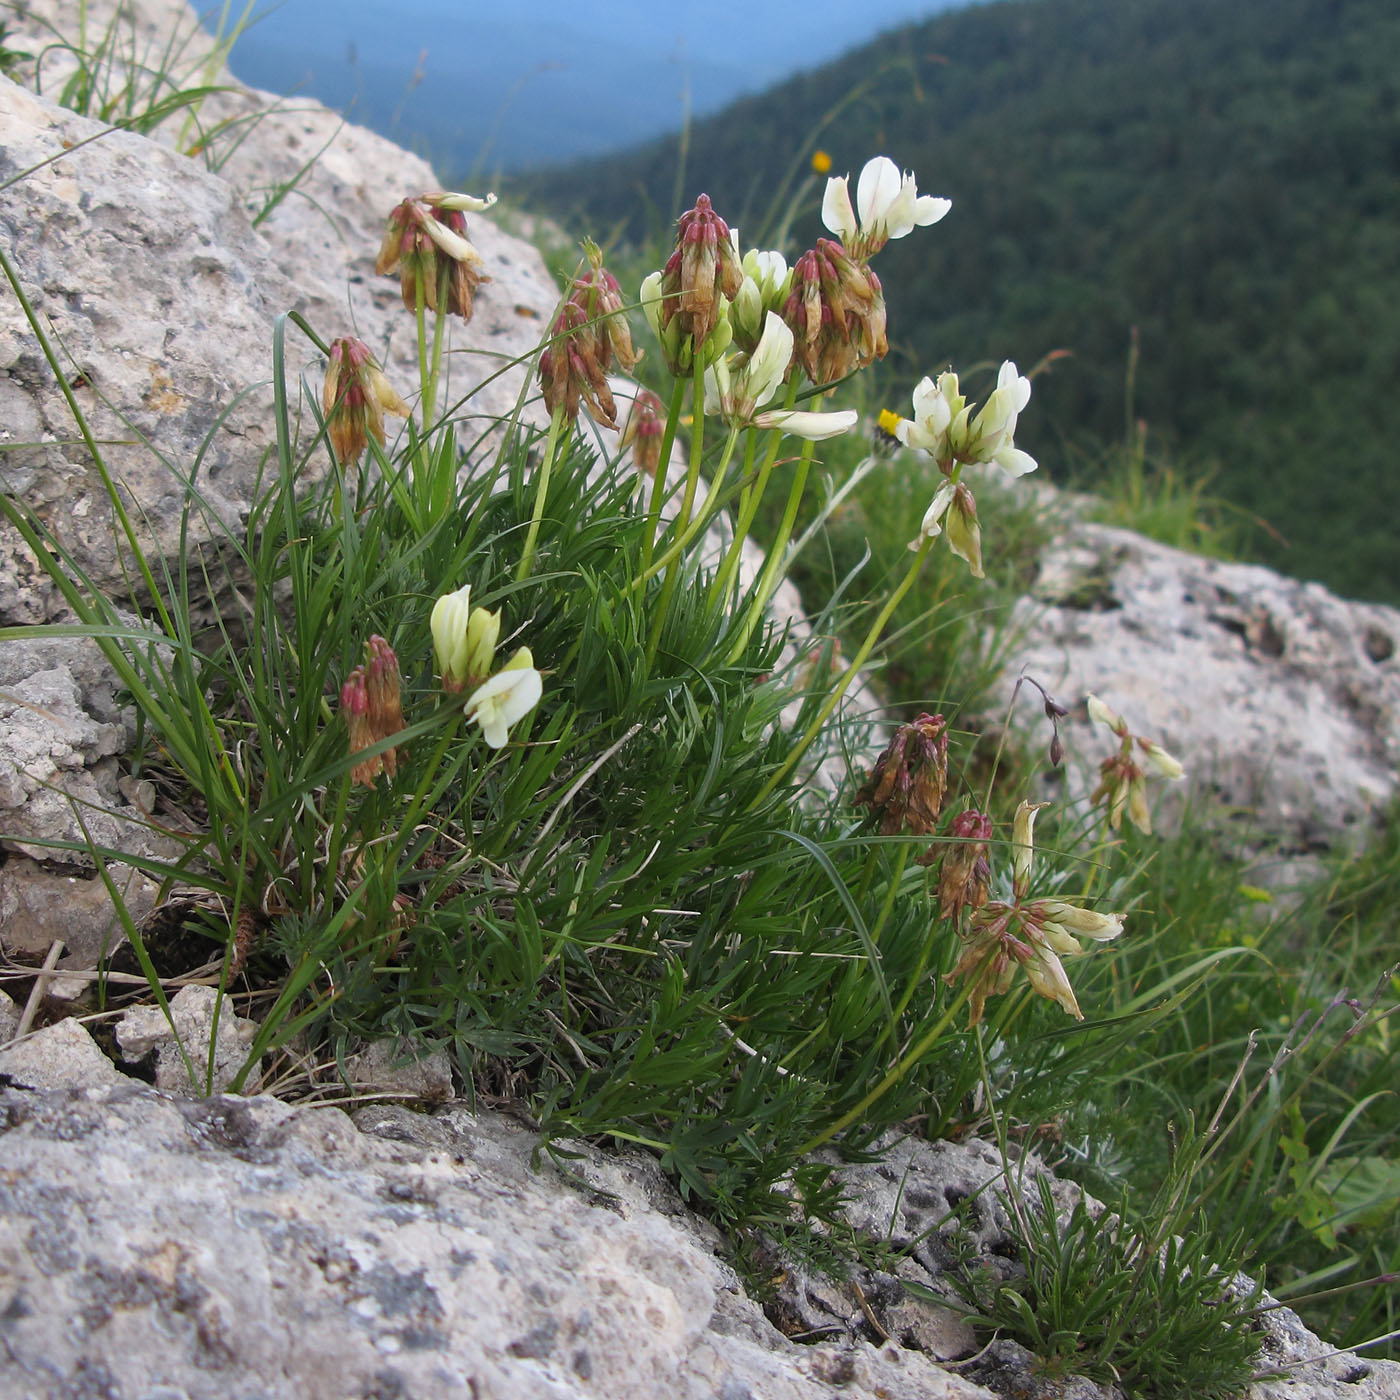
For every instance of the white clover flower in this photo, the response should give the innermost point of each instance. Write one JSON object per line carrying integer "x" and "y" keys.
{"x": 890, "y": 206}
{"x": 936, "y": 405}
{"x": 734, "y": 394}
{"x": 449, "y": 625}
{"x": 505, "y": 698}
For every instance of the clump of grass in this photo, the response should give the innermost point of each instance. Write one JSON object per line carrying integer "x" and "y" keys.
{"x": 626, "y": 900}
{"x": 1153, "y": 1306}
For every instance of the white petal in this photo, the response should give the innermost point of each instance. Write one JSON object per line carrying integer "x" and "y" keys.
{"x": 1087, "y": 923}
{"x": 1017, "y": 384}
{"x": 1161, "y": 762}
{"x": 929, "y": 208}
{"x": 1014, "y": 462}
{"x": 879, "y": 187}
{"x": 501, "y": 700}
{"x": 1023, "y": 842}
{"x": 837, "y": 214}
{"x": 1101, "y": 714}
{"x": 938, "y": 508}
{"x": 470, "y": 203}
{"x": 815, "y": 427}
{"x": 770, "y": 359}
{"x": 453, "y": 244}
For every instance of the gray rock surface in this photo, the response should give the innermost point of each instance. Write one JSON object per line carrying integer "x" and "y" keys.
{"x": 1282, "y": 700}
{"x": 60, "y": 1056}
{"x": 162, "y": 293}
{"x": 238, "y": 1248}
{"x": 145, "y": 1036}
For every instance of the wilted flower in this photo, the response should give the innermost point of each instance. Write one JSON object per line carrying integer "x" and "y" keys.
{"x": 506, "y": 697}
{"x": 1122, "y": 779}
{"x": 643, "y": 429}
{"x": 370, "y": 701}
{"x": 702, "y": 273}
{"x": 836, "y": 309}
{"x": 384, "y": 687}
{"x": 889, "y": 203}
{"x": 426, "y": 235}
{"x": 965, "y": 874}
{"x": 354, "y": 705}
{"x": 355, "y": 398}
{"x": 1033, "y": 934}
{"x": 909, "y": 779}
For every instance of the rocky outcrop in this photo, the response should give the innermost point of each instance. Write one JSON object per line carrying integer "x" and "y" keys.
{"x": 230, "y": 1246}
{"x": 1282, "y": 700}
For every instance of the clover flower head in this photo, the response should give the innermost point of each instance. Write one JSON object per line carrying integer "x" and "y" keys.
{"x": 702, "y": 274}
{"x": 355, "y": 398}
{"x": 889, "y": 205}
{"x": 965, "y": 874}
{"x": 505, "y": 698}
{"x": 371, "y": 704}
{"x": 836, "y": 310}
{"x": 907, "y": 784}
{"x": 1027, "y": 933}
{"x": 425, "y": 240}
{"x": 1122, "y": 785}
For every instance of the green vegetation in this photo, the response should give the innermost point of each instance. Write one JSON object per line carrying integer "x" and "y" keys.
{"x": 643, "y": 917}
{"x": 1220, "y": 178}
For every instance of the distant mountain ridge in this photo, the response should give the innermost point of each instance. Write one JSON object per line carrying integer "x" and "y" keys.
{"x": 1224, "y": 178}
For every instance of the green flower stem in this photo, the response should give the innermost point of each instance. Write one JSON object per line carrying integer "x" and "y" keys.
{"x": 773, "y": 569}
{"x": 658, "y": 483}
{"x": 1097, "y": 861}
{"x": 425, "y": 374}
{"x": 749, "y": 503}
{"x": 902, "y": 1066}
{"x": 702, "y": 517}
{"x": 439, "y": 336}
{"x": 682, "y": 521}
{"x": 900, "y": 861}
{"x": 697, "y": 444}
{"x": 844, "y": 684}
{"x": 551, "y": 446}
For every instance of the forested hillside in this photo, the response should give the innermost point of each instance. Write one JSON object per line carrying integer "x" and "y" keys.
{"x": 1225, "y": 177}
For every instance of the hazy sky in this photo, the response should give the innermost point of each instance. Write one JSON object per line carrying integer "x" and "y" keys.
{"x": 498, "y": 86}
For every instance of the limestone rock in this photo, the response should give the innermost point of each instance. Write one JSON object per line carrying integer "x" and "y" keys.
{"x": 1282, "y": 700}
{"x": 240, "y": 1247}
{"x": 60, "y": 1056}
{"x": 9, "y": 1017}
{"x": 396, "y": 1068}
{"x": 144, "y": 1033}
{"x": 39, "y": 906}
{"x": 161, "y": 278}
